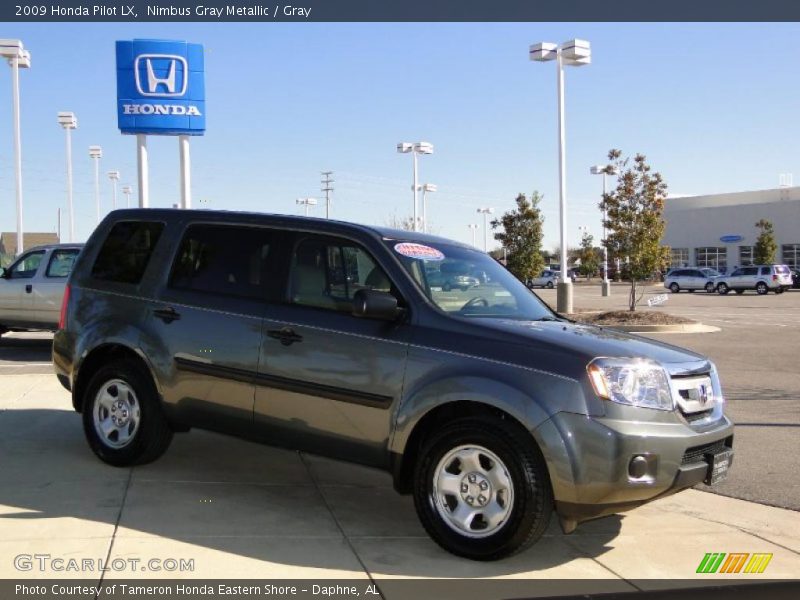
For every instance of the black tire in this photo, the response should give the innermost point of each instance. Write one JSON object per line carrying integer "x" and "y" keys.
{"x": 532, "y": 504}
{"x": 723, "y": 289}
{"x": 674, "y": 288}
{"x": 761, "y": 288}
{"x": 464, "y": 288}
{"x": 710, "y": 288}
{"x": 153, "y": 435}
{"x": 550, "y": 285}
{"x": 739, "y": 292}
{"x": 446, "y": 287}
{"x": 780, "y": 290}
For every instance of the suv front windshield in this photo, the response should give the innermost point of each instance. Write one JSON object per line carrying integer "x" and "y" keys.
{"x": 468, "y": 283}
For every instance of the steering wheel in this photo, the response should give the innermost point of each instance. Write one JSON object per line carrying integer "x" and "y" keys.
{"x": 476, "y": 301}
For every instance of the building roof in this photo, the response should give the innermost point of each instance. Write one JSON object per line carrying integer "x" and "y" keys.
{"x": 8, "y": 241}
{"x": 781, "y": 194}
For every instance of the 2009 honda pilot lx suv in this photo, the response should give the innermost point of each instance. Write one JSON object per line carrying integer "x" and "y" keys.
{"x": 327, "y": 337}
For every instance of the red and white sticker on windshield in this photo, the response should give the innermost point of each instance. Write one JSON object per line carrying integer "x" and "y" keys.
{"x": 419, "y": 251}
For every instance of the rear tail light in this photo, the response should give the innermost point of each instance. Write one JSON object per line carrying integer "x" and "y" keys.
{"x": 62, "y": 320}
{"x": 774, "y": 278}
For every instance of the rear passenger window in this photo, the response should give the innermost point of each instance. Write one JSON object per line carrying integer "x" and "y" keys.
{"x": 126, "y": 251}
{"x": 221, "y": 259}
{"x": 61, "y": 262}
{"x": 765, "y": 270}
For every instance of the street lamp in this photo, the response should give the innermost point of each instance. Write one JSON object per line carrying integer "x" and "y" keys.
{"x": 127, "y": 190}
{"x": 426, "y": 187}
{"x": 18, "y": 58}
{"x": 486, "y": 212}
{"x": 604, "y": 170}
{"x": 96, "y": 152}
{"x": 573, "y": 53}
{"x": 474, "y": 228}
{"x": 68, "y": 121}
{"x": 114, "y": 177}
{"x": 307, "y": 202}
{"x": 415, "y": 149}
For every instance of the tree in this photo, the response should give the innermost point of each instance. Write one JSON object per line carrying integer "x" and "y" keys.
{"x": 765, "y": 247}
{"x": 405, "y": 223}
{"x": 588, "y": 255}
{"x": 522, "y": 237}
{"x": 634, "y": 220}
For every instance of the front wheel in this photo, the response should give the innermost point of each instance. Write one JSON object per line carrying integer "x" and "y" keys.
{"x": 550, "y": 285}
{"x": 122, "y": 416}
{"x": 481, "y": 489}
{"x": 723, "y": 289}
{"x": 761, "y": 288}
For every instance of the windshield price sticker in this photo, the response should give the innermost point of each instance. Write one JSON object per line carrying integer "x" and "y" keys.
{"x": 418, "y": 251}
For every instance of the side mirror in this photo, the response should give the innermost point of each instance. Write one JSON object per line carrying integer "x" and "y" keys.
{"x": 372, "y": 304}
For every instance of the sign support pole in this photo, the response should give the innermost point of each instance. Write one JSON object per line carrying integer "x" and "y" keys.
{"x": 186, "y": 172}
{"x": 144, "y": 171}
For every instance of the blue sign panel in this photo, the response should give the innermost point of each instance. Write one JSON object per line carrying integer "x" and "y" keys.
{"x": 731, "y": 239}
{"x": 161, "y": 87}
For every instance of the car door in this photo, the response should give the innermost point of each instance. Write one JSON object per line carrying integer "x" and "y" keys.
{"x": 49, "y": 284}
{"x": 749, "y": 277}
{"x": 696, "y": 279}
{"x": 208, "y": 316}
{"x": 16, "y": 290}
{"x": 327, "y": 380}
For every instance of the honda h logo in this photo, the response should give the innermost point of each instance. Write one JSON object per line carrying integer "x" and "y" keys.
{"x": 161, "y": 75}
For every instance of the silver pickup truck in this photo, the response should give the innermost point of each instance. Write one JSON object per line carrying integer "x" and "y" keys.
{"x": 32, "y": 287}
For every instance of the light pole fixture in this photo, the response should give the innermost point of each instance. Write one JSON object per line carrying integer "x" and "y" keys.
{"x": 114, "y": 177}
{"x": 474, "y": 227}
{"x": 68, "y": 121}
{"x": 127, "y": 190}
{"x": 604, "y": 170}
{"x": 307, "y": 202}
{"x": 415, "y": 149}
{"x": 486, "y": 212}
{"x": 18, "y": 58}
{"x": 574, "y": 53}
{"x": 96, "y": 153}
{"x": 426, "y": 187}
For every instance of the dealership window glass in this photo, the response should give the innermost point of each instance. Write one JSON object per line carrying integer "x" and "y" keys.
{"x": 127, "y": 251}
{"x": 745, "y": 255}
{"x": 711, "y": 257}
{"x": 679, "y": 257}
{"x": 791, "y": 255}
{"x": 61, "y": 262}
{"x": 222, "y": 259}
{"x": 26, "y": 267}
{"x": 327, "y": 274}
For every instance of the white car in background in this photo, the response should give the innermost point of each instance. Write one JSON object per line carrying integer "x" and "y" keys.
{"x": 761, "y": 278}
{"x": 547, "y": 279}
{"x": 691, "y": 279}
{"x": 32, "y": 287}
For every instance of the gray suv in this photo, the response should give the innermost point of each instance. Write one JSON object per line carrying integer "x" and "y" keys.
{"x": 327, "y": 337}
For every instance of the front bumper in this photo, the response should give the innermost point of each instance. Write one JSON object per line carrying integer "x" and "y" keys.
{"x": 589, "y": 460}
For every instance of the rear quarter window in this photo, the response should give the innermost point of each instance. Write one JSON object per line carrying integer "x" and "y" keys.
{"x": 126, "y": 251}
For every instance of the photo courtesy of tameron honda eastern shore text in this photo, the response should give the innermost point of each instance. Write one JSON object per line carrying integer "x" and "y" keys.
{"x": 342, "y": 340}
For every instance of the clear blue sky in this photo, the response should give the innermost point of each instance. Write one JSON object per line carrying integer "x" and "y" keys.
{"x": 714, "y": 107}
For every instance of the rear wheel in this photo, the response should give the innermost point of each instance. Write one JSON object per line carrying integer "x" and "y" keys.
{"x": 122, "y": 416}
{"x": 674, "y": 288}
{"x": 481, "y": 489}
{"x": 723, "y": 288}
{"x": 761, "y": 288}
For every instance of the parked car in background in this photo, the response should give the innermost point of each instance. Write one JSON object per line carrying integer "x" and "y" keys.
{"x": 761, "y": 278}
{"x": 491, "y": 410}
{"x": 690, "y": 279}
{"x": 452, "y": 281}
{"x": 547, "y": 279}
{"x": 32, "y": 287}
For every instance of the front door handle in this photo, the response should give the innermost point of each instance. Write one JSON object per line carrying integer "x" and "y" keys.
{"x": 28, "y": 288}
{"x": 168, "y": 315}
{"x": 285, "y": 336}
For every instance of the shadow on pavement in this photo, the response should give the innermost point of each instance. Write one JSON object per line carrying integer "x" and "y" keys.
{"x": 226, "y": 495}
{"x": 25, "y": 349}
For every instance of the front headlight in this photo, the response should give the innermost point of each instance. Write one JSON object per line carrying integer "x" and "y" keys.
{"x": 632, "y": 381}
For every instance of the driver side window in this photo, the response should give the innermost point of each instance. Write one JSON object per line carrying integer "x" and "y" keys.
{"x": 26, "y": 267}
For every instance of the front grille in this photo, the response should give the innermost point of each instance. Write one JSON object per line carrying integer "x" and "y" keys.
{"x": 697, "y": 454}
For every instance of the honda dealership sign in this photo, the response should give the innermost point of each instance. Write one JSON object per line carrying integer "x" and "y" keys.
{"x": 160, "y": 87}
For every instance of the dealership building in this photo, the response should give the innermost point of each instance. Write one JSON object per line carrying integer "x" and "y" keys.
{"x": 719, "y": 230}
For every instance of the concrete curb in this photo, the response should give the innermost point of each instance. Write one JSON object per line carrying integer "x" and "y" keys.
{"x": 675, "y": 328}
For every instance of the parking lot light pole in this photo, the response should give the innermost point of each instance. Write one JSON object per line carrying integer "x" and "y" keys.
{"x": 96, "y": 153}
{"x": 604, "y": 170}
{"x": 307, "y": 202}
{"x": 573, "y": 53}
{"x": 68, "y": 121}
{"x": 415, "y": 149}
{"x": 114, "y": 177}
{"x": 474, "y": 228}
{"x": 127, "y": 190}
{"x": 427, "y": 187}
{"x": 18, "y": 58}
{"x": 485, "y": 212}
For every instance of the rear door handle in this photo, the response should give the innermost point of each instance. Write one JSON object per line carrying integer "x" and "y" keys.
{"x": 285, "y": 335}
{"x": 168, "y": 315}
{"x": 29, "y": 288}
